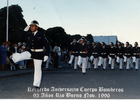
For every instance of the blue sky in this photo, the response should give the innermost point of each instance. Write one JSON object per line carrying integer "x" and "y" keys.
{"x": 96, "y": 17}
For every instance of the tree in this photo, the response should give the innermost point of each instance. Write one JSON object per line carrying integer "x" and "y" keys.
{"x": 16, "y": 23}
{"x": 89, "y": 37}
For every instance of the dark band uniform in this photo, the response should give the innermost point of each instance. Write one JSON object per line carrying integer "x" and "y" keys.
{"x": 136, "y": 51}
{"x": 35, "y": 42}
{"x": 112, "y": 52}
{"x": 120, "y": 52}
{"x": 94, "y": 51}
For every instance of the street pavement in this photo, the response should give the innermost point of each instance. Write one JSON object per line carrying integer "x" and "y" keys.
{"x": 67, "y": 83}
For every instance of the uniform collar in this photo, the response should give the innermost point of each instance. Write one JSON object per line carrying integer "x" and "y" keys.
{"x": 35, "y": 32}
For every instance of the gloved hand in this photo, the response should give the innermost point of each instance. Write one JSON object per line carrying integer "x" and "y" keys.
{"x": 27, "y": 28}
{"x": 45, "y": 58}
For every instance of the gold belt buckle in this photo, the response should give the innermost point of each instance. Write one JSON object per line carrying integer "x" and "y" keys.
{"x": 33, "y": 50}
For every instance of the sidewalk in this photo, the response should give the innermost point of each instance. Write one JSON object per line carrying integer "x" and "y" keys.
{"x": 28, "y": 70}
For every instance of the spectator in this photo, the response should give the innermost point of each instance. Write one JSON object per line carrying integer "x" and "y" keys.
{"x": 20, "y": 50}
{"x": 49, "y": 59}
{"x": 12, "y": 49}
{"x": 59, "y": 55}
{"x": 3, "y": 55}
{"x": 55, "y": 54}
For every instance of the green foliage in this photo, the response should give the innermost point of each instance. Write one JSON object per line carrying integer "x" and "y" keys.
{"x": 16, "y": 23}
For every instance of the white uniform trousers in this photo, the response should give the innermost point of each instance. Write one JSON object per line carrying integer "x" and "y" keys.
{"x": 125, "y": 59}
{"x": 83, "y": 61}
{"x": 75, "y": 62}
{"x": 88, "y": 63}
{"x": 95, "y": 62}
{"x": 71, "y": 59}
{"x": 37, "y": 72}
{"x": 111, "y": 62}
{"x": 131, "y": 63}
{"x": 91, "y": 58}
{"x": 128, "y": 63}
{"x": 119, "y": 61}
{"x": 37, "y": 65}
{"x": 136, "y": 61}
{"x": 102, "y": 61}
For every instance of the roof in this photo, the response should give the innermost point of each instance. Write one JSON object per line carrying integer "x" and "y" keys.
{"x": 106, "y": 39}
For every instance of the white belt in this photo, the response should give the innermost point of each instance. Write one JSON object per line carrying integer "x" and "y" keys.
{"x": 37, "y": 50}
{"x": 74, "y": 52}
{"x": 127, "y": 54}
{"x": 111, "y": 54}
{"x": 135, "y": 53}
{"x": 95, "y": 53}
{"x": 82, "y": 52}
{"x": 119, "y": 53}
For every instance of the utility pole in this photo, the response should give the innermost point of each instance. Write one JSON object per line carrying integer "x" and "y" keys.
{"x": 7, "y": 20}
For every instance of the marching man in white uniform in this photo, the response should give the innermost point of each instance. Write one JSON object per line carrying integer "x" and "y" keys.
{"x": 35, "y": 42}
{"x": 82, "y": 58}
{"x": 136, "y": 51}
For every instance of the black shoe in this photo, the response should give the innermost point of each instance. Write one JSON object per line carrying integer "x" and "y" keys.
{"x": 98, "y": 66}
{"x": 75, "y": 69}
{"x": 93, "y": 65}
{"x": 89, "y": 68}
{"x": 120, "y": 69}
{"x": 101, "y": 64}
{"x": 117, "y": 63}
{"x": 78, "y": 67}
{"x": 95, "y": 69}
{"x": 112, "y": 69}
{"x": 36, "y": 87}
{"x": 69, "y": 64}
{"x": 103, "y": 69}
{"x": 134, "y": 64}
{"x": 47, "y": 69}
{"x": 109, "y": 65}
{"x": 131, "y": 68}
{"x": 124, "y": 63}
{"x": 127, "y": 69}
{"x": 84, "y": 73}
{"x": 136, "y": 69}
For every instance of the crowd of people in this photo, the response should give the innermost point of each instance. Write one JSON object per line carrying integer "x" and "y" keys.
{"x": 6, "y": 50}
{"x": 86, "y": 55}
{"x": 56, "y": 55}
{"x": 81, "y": 52}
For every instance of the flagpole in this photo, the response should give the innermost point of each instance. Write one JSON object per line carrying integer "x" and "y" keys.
{"x": 7, "y": 20}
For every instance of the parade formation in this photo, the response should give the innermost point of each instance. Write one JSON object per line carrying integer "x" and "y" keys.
{"x": 99, "y": 55}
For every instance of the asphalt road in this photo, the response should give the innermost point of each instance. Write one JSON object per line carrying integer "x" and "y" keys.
{"x": 66, "y": 83}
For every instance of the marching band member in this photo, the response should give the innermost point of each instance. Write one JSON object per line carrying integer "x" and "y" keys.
{"x": 88, "y": 55}
{"x": 73, "y": 50}
{"x": 103, "y": 56}
{"x": 112, "y": 53}
{"x": 120, "y": 53}
{"x": 82, "y": 58}
{"x": 136, "y": 51}
{"x": 127, "y": 55}
{"x": 35, "y": 42}
{"x": 94, "y": 55}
